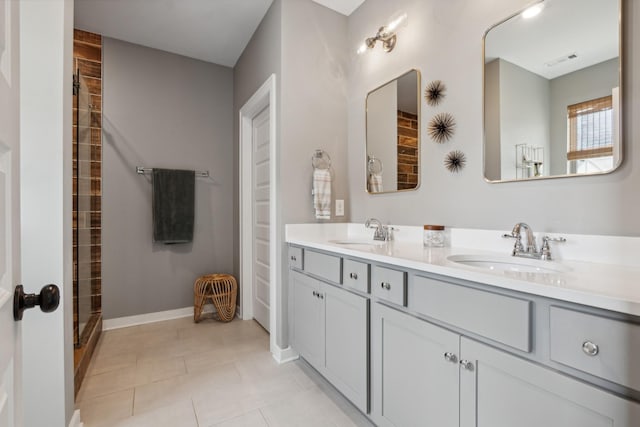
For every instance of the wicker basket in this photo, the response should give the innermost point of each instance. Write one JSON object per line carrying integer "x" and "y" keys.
{"x": 221, "y": 289}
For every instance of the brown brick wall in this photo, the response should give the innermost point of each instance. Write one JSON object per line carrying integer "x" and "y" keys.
{"x": 407, "y": 150}
{"x": 87, "y": 200}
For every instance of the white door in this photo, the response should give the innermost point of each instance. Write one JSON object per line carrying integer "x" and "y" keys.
{"x": 10, "y": 366}
{"x": 261, "y": 224}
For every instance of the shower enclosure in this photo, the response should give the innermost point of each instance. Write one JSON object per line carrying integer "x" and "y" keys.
{"x": 86, "y": 249}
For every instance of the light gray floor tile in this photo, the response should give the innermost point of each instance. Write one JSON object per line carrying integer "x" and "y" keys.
{"x": 179, "y": 373}
{"x": 250, "y": 419}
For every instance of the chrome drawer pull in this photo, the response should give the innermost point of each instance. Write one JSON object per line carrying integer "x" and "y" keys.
{"x": 590, "y": 349}
{"x": 466, "y": 365}
{"x": 450, "y": 357}
{"x": 353, "y": 276}
{"x": 385, "y": 285}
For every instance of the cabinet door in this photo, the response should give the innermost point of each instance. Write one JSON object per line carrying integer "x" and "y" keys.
{"x": 413, "y": 383}
{"x": 346, "y": 342}
{"x": 502, "y": 390}
{"x": 308, "y": 319}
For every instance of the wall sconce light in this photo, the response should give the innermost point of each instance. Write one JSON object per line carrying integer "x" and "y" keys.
{"x": 386, "y": 35}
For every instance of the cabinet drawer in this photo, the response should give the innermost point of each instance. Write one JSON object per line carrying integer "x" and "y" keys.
{"x": 611, "y": 347}
{"x": 389, "y": 285}
{"x": 501, "y": 318}
{"x": 295, "y": 257}
{"x": 356, "y": 275}
{"x": 323, "y": 265}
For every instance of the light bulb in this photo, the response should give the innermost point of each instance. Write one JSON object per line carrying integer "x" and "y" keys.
{"x": 396, "y": 22}
{"x": 532, "y": 11}
{"x": 362, "y": 49}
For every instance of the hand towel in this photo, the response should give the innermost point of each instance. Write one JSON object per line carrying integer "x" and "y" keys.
{"x": 173, "y": 205}
{"x": 322, "y": 193}
{"x": 375, "y": 183}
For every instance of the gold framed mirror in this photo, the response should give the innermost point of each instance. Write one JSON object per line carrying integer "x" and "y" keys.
{"x": 393, "y": 135}
{"x": 552, "y": 91}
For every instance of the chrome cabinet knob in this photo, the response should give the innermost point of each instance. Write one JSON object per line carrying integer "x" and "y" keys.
{"x": 293, "y": 258}
{"x": 466, "y": 365}
{"x": 450, "y": 357}
{"x": 315, "y": 294}
{"x": 353, "y": 276}
{"x": 385, "y": 285}
{"x": 590, "y": 349}
{"x": 321, "y": 296}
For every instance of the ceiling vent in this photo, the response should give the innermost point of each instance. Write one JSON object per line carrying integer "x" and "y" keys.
{"x": 562, "y": 59}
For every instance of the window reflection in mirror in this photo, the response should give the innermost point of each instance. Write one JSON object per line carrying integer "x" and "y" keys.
{"x": 552, "y": 92}
{"x": 393, "y": 135}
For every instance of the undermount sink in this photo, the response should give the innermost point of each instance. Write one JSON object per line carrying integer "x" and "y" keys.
{"x": 509, "y": 264}
{"x": 356, "y": 242}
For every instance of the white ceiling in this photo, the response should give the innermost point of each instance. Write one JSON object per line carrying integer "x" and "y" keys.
{"x": 215, "y": 31}
{"x": 588, "y": 28}
{"x": 345, "y": 7}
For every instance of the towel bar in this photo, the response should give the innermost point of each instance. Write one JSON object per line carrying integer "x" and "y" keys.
{"x": 141, "y": 170}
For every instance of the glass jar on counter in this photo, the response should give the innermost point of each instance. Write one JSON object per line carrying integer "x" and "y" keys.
{"x": 433, "y": 236}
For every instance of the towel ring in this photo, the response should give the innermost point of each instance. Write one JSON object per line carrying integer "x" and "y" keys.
{"x": 320, "y": 160}
{"x": 374, "y": 165}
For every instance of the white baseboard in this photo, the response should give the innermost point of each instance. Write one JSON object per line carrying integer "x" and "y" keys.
{"x": 75, "y": 419}
{"x": 284, "y": 355}
{"x": 141, "y": 319}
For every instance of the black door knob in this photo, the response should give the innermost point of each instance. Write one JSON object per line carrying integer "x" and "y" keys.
{"x": 48, "y": 299}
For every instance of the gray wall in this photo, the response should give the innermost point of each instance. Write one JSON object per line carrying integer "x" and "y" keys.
{"x": 444, "y": 41}
{"x": 314, "y": 115}
{"x": 524, "y": 115}
{"x": 492, "y": 119}
{"x": 382, "y": 131}
{"x": 589, "y": 83}
{"x": 163, "y": 110}
{"x": 303, "y": 43}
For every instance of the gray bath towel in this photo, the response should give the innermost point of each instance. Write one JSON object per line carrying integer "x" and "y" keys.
{"x": 173, "y": 205}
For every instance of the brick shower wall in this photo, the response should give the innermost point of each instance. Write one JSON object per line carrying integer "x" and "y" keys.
{"x": 87, "y": 59}
{"x": 407, "y": 150}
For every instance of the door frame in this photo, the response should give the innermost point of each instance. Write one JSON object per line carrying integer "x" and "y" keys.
{"x": 264, "y": 97}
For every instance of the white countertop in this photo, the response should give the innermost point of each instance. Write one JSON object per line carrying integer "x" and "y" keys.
{"x": 607, "y": 285}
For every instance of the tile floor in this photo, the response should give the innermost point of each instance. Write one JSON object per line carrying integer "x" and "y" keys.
{"x": 181, "y": 374}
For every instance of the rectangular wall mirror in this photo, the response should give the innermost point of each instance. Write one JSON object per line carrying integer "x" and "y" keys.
{"x": 393, "y": 135}
{"x": 552, "y": 91}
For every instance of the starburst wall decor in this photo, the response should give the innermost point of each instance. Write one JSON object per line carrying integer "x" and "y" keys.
{"x": 434, "y": 92}
{"x": 455, "y": 161}
{"x": 441, "y": 127}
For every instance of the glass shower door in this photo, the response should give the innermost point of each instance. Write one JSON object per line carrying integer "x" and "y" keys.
{"x": 82, "y": 212}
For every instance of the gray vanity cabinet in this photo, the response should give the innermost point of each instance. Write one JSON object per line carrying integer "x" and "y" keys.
{"x": 346, "y": 344}
{"x": 450, "y": 353}
{"x": 501, "y": 390}
{"x": 330, "y": 331}
{"x": 425, "y": 375}
{"x": 308, "y": 319}
{"x": 413, "y": 383}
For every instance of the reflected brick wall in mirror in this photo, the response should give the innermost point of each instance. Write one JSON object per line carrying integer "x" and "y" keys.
{"x": 407, "y": 150}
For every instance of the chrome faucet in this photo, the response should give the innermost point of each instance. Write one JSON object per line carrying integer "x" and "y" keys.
{"x": 531, "y": 250}
{"x": 382, "y": 232}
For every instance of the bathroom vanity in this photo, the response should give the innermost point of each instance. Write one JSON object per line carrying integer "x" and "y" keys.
{"x": 415, "y": 339}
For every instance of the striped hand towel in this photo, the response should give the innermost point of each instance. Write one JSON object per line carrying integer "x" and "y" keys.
{"x": 322, "y": 193}
{"x": 375, "y": 182}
